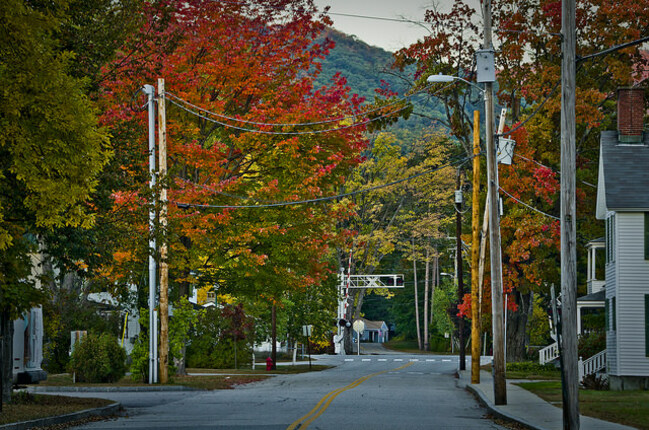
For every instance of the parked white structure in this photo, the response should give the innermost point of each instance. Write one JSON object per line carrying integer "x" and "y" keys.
{"x": 623, "y": 202}
{"x": 27, "y": 343}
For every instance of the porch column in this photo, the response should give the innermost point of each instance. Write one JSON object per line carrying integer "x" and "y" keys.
{"x": 578, "y": 318}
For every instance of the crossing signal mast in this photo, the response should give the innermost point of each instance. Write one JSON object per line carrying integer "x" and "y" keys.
{"x": 347, "y": 282}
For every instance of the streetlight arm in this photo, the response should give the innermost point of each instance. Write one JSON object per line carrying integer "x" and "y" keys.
{"x": 448, "y": 78}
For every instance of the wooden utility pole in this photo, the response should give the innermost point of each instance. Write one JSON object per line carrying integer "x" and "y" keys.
{"x": 273, "y": 335}
{"x": 458, "y": 257}
{"x": 164, "y": 267}
{"x": 570, "y": 374}
{"x": 475, "y": 249}
{"x": 500, "y": 387}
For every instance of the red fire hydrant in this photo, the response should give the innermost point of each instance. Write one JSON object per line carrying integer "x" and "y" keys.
{"x": 269, "y": 363}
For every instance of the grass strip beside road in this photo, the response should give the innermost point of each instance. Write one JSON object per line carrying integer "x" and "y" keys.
{"x": 27, "y": 407}
{"x": 214, "y": 381}
{"x": 323, "y": 404}
{"x": 534, "y": 375}
{"x": 630, "y": 408}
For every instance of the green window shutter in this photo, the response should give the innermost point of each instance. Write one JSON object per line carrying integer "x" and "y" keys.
{"x": 646, "y": 324}
{"x": 607, "y": 239}
{"x": 606, "y": 314}
{"x": 613, "y": 314}
{"x": 646, "y": 235}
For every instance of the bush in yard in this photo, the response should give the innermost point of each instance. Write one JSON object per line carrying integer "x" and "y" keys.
{"x": 591, "y": 343}
{"x": 221, "y": 338}
{"x": 98, "y": 358}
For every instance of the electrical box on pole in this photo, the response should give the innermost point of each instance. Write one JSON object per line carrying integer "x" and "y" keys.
{"x": 485, "y": 65}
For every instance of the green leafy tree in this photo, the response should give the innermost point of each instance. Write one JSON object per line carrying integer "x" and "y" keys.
{"x": 51, "y": 146}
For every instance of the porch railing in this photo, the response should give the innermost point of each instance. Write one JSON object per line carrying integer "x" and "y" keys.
{"x": 549, "y": 353}
{"x": 592, "y": 365}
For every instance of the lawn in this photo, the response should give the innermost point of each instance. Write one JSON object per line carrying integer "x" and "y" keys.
{"x": 531, "y": 374}
{"x": 410, "y": 346}
{"x": 26, "y": 407}
{"x": 625, "y": 407}
{"x": 210, "y": 379}
{"x": 217, "y": 381}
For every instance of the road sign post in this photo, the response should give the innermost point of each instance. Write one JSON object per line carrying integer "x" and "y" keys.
{"x": 359, "y": 328}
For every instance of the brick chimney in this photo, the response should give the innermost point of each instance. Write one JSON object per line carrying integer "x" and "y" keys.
{"x": 630, "y": 114}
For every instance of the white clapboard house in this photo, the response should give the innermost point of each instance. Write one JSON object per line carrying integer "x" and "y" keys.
{"x": 623, "y": 203}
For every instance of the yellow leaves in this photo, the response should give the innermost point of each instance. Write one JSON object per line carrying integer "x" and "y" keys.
{"x": 81, "y": 265}
{"x": 122, "y": 257}
{"x": 226, "y": 298}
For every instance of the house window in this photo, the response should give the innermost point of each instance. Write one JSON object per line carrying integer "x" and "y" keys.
{"x": 610, "y": 239}
{"x": 606, "y": 314}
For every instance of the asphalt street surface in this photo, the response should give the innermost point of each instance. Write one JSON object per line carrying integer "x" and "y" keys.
{"x": 362, "y": 392}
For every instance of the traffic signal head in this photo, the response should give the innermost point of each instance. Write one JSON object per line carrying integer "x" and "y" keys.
{"x": 344, "y": 323}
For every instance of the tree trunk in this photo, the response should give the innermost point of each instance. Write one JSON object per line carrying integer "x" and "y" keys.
{"x": 6, "y": 355}
{"x": 435, "y": 284}
{"x": 517, "y": 333}
{"x": 426, "y": 286}
{"x": 414, "y": 269}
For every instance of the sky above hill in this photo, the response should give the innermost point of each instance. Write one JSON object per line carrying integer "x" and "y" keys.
{"x": 386, "y": 34}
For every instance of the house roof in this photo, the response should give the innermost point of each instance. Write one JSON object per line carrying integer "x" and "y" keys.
{"x": 623, "y": 175}
{"x": 374, "y": 325}
{"x": 593, "y": 297}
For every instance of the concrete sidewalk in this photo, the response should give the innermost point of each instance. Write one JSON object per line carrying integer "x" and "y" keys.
{"x": 526, "y": 408}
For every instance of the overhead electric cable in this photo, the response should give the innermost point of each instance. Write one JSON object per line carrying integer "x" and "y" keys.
{"x": 290, "y": 133}
{"x": 528, "y": 206}
{"x": 299, "y": 124}
{"x": 320, "y": 199}
{"x": 378, "y": 18}
{"x": 538, "y": 108}
{"x": 550, "y": 168}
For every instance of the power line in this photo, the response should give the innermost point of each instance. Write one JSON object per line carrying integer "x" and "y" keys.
{"x": 301, "y": 124}
{"x": 290, "y": 133}
{"x": 550, "y": 168}
{"x": 320, "y": 199}
{"x": 528, "y": 206}
{"x": 536, "y": 111}
{"x": 378, "y": 18}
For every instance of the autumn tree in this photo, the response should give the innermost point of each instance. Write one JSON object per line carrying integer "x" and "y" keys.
{"x": 249, "y": 137}
{"x": 528, "y": 66}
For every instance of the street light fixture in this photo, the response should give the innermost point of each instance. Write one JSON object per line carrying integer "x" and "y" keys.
{"x": 440, "y": 78}
{"x": 488, "y": 77}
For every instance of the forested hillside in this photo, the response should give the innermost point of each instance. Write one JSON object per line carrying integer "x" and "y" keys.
{"x": 368, "y": 68}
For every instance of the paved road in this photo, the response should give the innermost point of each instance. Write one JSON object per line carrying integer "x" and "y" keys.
{"x": 367, "y": 392}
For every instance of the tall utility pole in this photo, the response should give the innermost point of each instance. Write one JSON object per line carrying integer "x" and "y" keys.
{"x": 570, "y": 375}
{"x": 500, "y": 387}
{"x": 149, "y": 90}
{"x": 458, "y": 256}
{"x": 164, "y": 267}
{"x": 475, "y": 249}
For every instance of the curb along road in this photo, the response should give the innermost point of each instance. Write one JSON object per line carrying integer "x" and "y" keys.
{"x": 104, "y": 411}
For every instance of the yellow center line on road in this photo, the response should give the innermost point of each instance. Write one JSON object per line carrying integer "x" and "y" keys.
{"x": 324, "y": 403}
